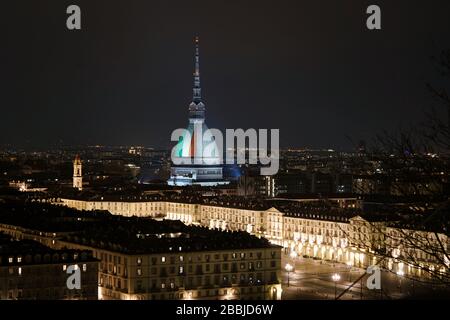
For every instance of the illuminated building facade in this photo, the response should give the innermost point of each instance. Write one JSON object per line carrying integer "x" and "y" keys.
{"x": 30, "y": 270}
{"x": 353, "y": 240}
{"x": 224, "y": 274}
{"x": 168, "y": 261}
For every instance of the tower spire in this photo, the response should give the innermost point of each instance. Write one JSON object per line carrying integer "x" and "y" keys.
{"x": 197, "y": 97}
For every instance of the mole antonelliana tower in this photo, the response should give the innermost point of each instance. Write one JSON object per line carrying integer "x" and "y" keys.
{"x": 77, "y": 177}
{"x": 197, "y": 165}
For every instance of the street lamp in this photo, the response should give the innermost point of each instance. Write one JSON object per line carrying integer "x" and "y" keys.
{"x": 400, "y": 273}
{"x": 293, "y": 254}
{"x": 289, "y": 269}
{"x": 335, "y": 277}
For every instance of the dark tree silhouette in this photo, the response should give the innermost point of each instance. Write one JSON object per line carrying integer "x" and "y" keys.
{"x": 416, "y": 163}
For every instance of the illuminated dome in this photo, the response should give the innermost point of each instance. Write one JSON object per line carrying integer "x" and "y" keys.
{"x": 188, "y": 147}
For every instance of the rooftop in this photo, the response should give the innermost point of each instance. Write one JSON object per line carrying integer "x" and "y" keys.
{"x": 46, "y": 217}
{"x": 26, "y": 252}
{"x": 143, "y": 235}
{"x": 130, "y": 235}
{"x": 322, "y": 209}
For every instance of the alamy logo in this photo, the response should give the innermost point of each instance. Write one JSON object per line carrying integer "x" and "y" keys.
{"x": 374, "y": 20}
{"x": 74, "y": 280}
{"x": 73, "y": 21}
{"x": 198, "y": 147}
{"x": 374, "y": 280}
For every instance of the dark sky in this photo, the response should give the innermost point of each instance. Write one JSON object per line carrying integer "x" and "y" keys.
{"x": 309, "y": 68}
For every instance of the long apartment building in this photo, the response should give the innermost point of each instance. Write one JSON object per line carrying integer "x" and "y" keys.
{"x": 29, "y": 270}
{"x": 141, "y": 258}
{"x": 347, "y": 237}
{"x": 219, "y": 273}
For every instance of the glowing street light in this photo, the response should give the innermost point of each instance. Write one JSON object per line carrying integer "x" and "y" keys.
{"x": 400, "y": 273}
{"x": 335, "y": 277}
{"x": 289, "y": 269}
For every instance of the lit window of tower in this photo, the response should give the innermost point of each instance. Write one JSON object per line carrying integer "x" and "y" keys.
{"x": 77, "y": 176}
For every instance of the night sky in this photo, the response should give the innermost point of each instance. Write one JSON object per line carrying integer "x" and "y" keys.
{"x": 310, "y": 68}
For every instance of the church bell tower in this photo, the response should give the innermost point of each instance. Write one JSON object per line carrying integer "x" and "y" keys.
{"x": 77, "y": 177}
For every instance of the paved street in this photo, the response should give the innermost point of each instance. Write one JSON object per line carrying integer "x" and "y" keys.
{"x": 312, "y": 279}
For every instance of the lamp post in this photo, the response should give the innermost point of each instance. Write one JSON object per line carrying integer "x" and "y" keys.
{"x": 293, "y": 254}
{"x": 335, "y": 277}
{"x": 349, "y": 265}
{"x": 289, "y": 269}
{"x": 400, "y": 273}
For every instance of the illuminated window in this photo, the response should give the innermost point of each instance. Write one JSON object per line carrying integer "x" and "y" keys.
{"x": 139, "y": 271}
{"x": 180, "y": 270}
{"x": 10, "y": 259}
{"x": 84, "y": 267}
{"x": 64, "y": 267}
{"x": 181, "y": 258}
{"x": 139, "y": 261}
{"x": 19, "y": 259}
{"x": 163, "y": 259}
{"x": 19, "y": 271}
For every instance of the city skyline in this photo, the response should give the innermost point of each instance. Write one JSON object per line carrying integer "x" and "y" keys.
{"x": 253, "y": 151}
{"x": 125, "y": 79}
